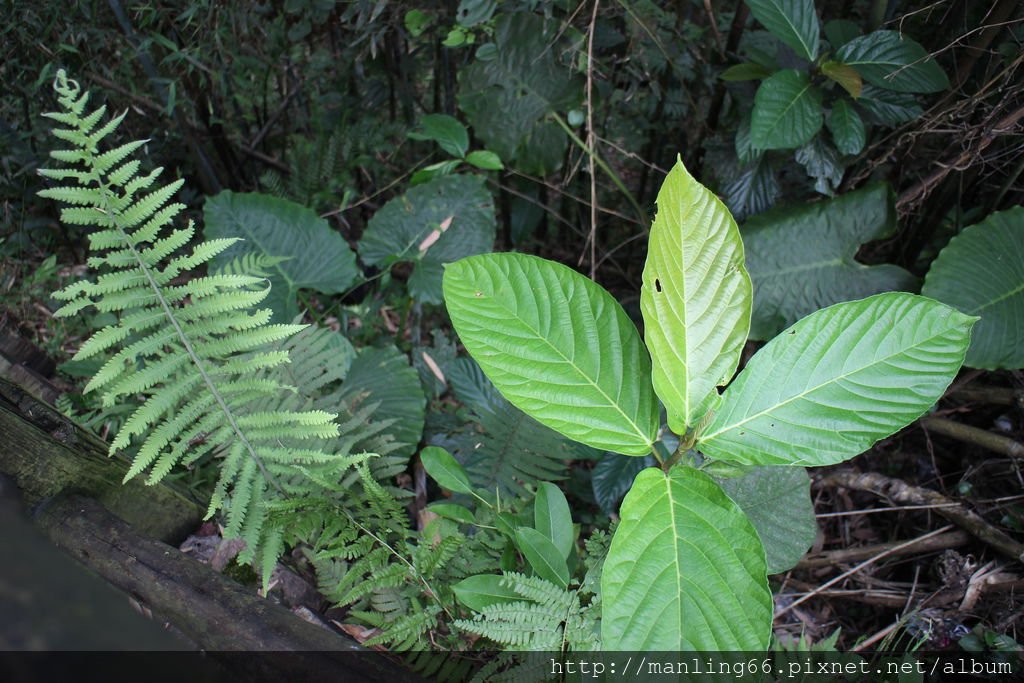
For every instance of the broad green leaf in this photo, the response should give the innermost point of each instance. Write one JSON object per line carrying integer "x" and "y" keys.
{"x": 839, "y": 380}
{"x": 685, "y": 571}
{"x": 841, "y": 31}
{"x": 894, "y": 62}
{"x": 777, "y": 501}
{"x": 509, "y": 96}
{"x": 383, "y": 376}
{"x": 473, "y": 12}
{"x": 444, "y": 469}
{"x": 981, "y": 272}
{"x": 477, "y": 592}
{"x": 846, "y": 76}
{"x": 888, "y": 107}
{"x": 803, "y": 258}
{"x": 452, "y": 511}
{"x": 787, "y": 111}
{"x": 446, "y": 131}
{"x": 557, "y": 346}
{"x": 485, "y": 160}
{"x": 847, "y": 128}
{"x": 315, "y": 256}
{"x": 432, "y": 224}
{"x": 745, "y": 71}
{"x": 695, "y": 298}
{"x": 791, "y": 21}
{"x": 545, "y": 559}
{"x": 552, "y": 517}
{"x": 612, "y": 477}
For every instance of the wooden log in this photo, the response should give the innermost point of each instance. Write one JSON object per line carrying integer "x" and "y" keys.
{"x": 47, "y": 454}
{"x": 205, "y": 607}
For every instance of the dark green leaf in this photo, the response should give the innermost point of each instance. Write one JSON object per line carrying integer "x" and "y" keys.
{"x": 746, "y": 71}
{"x": 316, "y": 257}
{"x": 444, "y": 469}
{"x": 791, "y": 21}
{"x": 552, "y": 517}
{"x": 892, "y": 61}
{"x": 477, "y": 592}
{"x": 613, "y": 475}
{"x": 508, "y": 97}
{"x": 841, "y": 31}
{"x": 545, "y": 559}
{"x": 777, "y": 501}
{"x": 432, "y": 224}
{"x": 446, "y": 131}
{"x": 888, "y": 107}
{"x": 787, "y": 111}
{"x": 821, "y": 161}
{"x": 803, "y": 258}
{"x": 847, "y": 128}
{"x": 981, "y": 272}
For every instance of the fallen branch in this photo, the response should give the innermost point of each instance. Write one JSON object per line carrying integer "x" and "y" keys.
{"x": 901, "y": 492}
{"x": 831, "y": 558}
{"x": 973, "y": 435}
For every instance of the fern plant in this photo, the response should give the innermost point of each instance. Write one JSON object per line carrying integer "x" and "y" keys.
{"x": 194, "y": 352}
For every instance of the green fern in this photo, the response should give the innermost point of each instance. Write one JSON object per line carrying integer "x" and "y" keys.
{"x": 193, "y": 351}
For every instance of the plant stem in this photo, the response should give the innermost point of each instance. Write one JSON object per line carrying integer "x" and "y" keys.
{"x": 604, "y": 167}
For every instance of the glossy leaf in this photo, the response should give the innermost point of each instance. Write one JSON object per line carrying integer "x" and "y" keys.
{"x": 821, "y": 161}
{"x": 787, "y": 111}
{"x": 557, "y": 346}
{"x": 839, "y": 380}
{"x": 791, "y": 21}
{"x": 777, "y": 501}
{"x": 745, "y": 71}
{"x": 981, "y": 272}
{"x": 544, "y": 557}
{"x": 432, "y": 224}
{"x": 477, "y": 592}
{"x": 552, "y": 517}
{"x": 754, "y": 189}
{"x": 444, "y": 469}
{"x": 803, "y": 258}
{"x": 695, "y": 298}
{"x": 847, "y": 128}
{"x": 894, "y": 62}
{"x": 485, "y": 160}
{"x": 314, "y": 256}
{"x": 685, "y": 571}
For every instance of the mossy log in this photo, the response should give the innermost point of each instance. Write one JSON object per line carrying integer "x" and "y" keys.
{"x": 47, "y": 454}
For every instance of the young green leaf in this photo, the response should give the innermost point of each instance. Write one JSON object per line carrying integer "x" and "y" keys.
{"x": 839, "y": 380}
{"x": 445, "y": 469}
{"x": 791, "y": 21}
{"x": 803, "y": 258}
{"x": 777, "y": 501}
{"x": 787, "y": 111}
{"x": 981, "y": 272}
{"x": 545, "y": 559}
{"x": 695, "y": 298}
{"x": 446, "y": 131}
{"x": 557, "y": 346}
{"x": 847, "y": 128}
{"x": 552, "y": 517}
{"x": 485, "y": 160}
{"x": 685, "y": 571}
{"x": 846, "y": 76}
{"x": 893, "y": 61}
{"x": 477, "y": 592}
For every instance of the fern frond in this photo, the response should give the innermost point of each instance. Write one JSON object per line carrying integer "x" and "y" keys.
{"x": 194, "y": 353}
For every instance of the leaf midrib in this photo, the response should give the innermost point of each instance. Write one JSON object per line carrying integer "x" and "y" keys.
{"x": 578, "y": 370}
{"x": 811, "y": 390}
{"x": 793, "y": 28}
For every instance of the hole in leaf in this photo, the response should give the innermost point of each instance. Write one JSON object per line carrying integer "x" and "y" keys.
{"x": 657, "y": 284}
